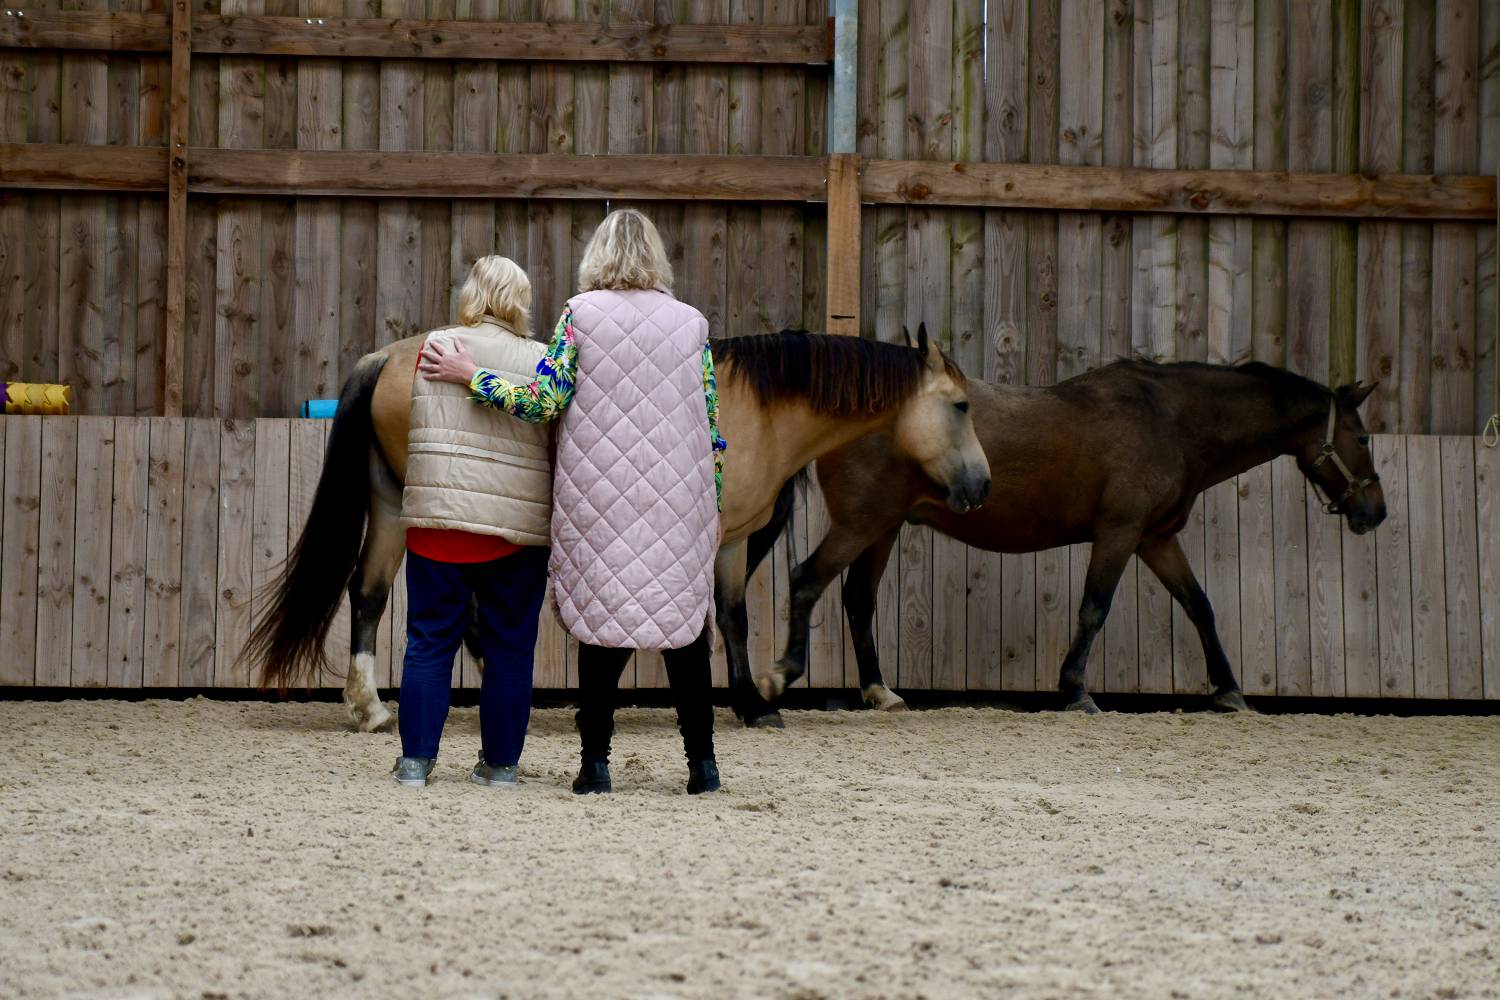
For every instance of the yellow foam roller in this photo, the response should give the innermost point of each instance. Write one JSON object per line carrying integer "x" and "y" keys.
{"x": 36, "y": 397}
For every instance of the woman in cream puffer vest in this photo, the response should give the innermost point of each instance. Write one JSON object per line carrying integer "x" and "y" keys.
{"x": 477, "y": 508}
{"x": 629, "y": 378}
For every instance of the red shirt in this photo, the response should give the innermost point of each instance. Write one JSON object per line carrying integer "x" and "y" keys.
{"x": 453, "y": 546}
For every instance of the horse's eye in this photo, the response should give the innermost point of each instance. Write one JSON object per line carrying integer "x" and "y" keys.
{"x": 962, "y": 406}
{"x": 1364, "y": 440}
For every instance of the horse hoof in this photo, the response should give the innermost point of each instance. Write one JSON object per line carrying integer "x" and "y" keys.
{"x": 771, "y": 720}
{"x": 896, "y": 706}
{"x": 1231, "y": 701}
{"x": 771, "y": 686}
{"x": 1085, "y": 705}
{"x": 369, "y": 718}
{"x": 883, "y": 699}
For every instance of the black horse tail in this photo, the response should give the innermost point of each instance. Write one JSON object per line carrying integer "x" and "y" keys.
{"x": 762, "y": 540}
{"x": 304, "y": 598}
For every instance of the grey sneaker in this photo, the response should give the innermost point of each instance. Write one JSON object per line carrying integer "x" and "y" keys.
{"x": 495, "y": 777}
{"x": 413, "y": 772}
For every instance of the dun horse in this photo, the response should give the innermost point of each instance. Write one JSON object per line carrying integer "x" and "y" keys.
{"x": 784, "y": 400}
{"x": 1116, "y": 457}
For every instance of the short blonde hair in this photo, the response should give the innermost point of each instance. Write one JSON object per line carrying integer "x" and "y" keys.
{"x": 625, "y": 252}
{"x": 496, "y": 286}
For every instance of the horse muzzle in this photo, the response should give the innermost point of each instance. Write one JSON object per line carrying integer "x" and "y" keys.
{"x": 968, "y": 492}
{"x": 1365, "y": 519}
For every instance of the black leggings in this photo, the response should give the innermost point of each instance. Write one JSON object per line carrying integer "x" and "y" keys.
{"x": 688, "y": 671}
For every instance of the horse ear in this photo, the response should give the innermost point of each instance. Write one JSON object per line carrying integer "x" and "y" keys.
{"x": 922, "y": 343}
{"x": 1353, "y": 395}
{"x": 906, "y": 336}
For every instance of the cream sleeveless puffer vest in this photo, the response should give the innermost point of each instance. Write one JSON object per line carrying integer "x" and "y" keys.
{"x": 473, "y": 468}
{"x": 635, "y": 526}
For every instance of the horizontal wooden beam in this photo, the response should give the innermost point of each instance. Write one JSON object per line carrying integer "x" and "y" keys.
{"x": 1183, "y": 192}
{"x": 356, "y": 174}
{"x": 65, "y": 167}
{"x": 387, "y": 38}
{"x": 522, "y": 175}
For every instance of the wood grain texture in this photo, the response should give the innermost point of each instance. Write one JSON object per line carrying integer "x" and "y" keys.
{"x": 55, "y": 567}
{"x": 1393, "y": 559}
{"x": 1487, "y": 491}
{"x": 1429, "y": 605}
{"x": 128, "y": 552}
{"x": 91, "y": 551}
{"x": 1461, "y": 568}
{"x": 165, "y": 522}
{"x": 1257, "y": 667}
{"x": 20, "y": 533}
{"x": 234, "y": 611}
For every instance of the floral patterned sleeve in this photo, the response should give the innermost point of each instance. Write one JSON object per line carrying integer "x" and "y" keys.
{"x": 716, "y": 440}
{"x": 543, "y": 398}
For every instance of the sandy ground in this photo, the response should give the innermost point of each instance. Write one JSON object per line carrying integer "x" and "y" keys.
{"x": 207, "y": 849}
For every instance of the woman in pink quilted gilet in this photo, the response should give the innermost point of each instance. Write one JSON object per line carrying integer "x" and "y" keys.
{"x": 635, "y": 516}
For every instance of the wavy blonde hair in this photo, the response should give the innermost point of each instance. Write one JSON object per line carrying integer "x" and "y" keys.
{"x": 625, "y": 252}
{"x": 496, "y": 286}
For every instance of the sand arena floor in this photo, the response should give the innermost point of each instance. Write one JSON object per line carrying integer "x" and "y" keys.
{"x": 211, "y": 849}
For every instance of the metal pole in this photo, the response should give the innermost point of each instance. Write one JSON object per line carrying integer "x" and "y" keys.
{"x": 845, "y": 111}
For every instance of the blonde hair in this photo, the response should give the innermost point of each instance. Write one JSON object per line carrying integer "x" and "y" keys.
{"x": 497, "y": 287}
{"x": 625, "y": 252}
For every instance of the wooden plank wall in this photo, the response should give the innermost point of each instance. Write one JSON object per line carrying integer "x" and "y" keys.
{"x": 134, "y": 547}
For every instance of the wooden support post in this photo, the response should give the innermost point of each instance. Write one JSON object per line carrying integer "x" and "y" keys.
{"x": 177, "y": 182}
{"x": 843, "y": 175}
{"x": 843, "y": 243}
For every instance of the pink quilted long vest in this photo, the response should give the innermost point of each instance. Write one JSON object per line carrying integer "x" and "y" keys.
{"x": 634, "y": 521}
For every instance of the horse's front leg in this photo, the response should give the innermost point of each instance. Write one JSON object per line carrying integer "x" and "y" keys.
{"x": 733, "y": 617}
{"x": 369, "y": 589}
{"x": 1111, "y": 553}
{"x": 1170, "y": 564}
{"x": 861, "y": 586}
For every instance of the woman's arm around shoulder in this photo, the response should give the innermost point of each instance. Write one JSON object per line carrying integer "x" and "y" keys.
{"x": 545, "y": 397}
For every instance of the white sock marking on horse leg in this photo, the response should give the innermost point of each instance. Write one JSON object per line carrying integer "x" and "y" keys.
{"x": 363, "y": 698}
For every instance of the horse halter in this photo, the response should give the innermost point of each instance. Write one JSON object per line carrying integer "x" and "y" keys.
{"x": 1328, "y": 453}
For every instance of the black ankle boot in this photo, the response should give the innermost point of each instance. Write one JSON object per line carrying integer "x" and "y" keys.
{"x": 703, "y": 776}
{"x": 593, "y": 776}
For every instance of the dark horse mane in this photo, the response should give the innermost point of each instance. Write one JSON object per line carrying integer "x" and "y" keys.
{"x": 836, "y": 376}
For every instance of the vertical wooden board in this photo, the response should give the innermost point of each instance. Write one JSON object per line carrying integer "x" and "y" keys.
{"x": 1257, "y": 582}
{"x": 149, "y": 364}
{"x": 915, "y": 670}
{"x": 20, "y": 534}
{"x": 1267, "y": 238}
{"x": 1325, "y": 592}
{"x": 984, "y": 641}
{"x": 1116, "y": 263}
{"x": 1455, "y": 150}
{"x": 1361, "y": 616}
{"x": 1005, "y": 301}
{"x": 1310, "y": 127}
{"x": 1418, "y": 117}
{"x": 165, "y": 495}
{"x": 1190, "y": 322}
{"x": 200, "y": 553}
{"x": 1231, "y": 147}
{"x": 436, "y": 215}
{"x": 91, "y": 548}
{"x": 1429, "y": 606}
{"x": 359, "y": 240}
{"x": 1221, "y": 565}
{"x": 1393, "y": 560}
{"x": 929, "y": 136}
{"x": 1041, "y": 228}
{"x": 1189, "y": 671}
{"x": 399, "y": 257}
{"x": 1461, "y": 568}
{"x": 200, "y": 359}
{"x": 128, "y": 541}
{"x": 1378, "y": 280}
{"x": 1487, "y": 491}
{"x": 279, "y": 357}
{"x": 1487, "y": 292}
{"x": 54, "y": 586}
{"x": 950, "y": 621}
{"x": 889, "y": 279}
{"x": 271, "y": 493}
{"x": 236, "y": 547}
{"x": 706, "y": 130}
{"x": 475, "y": 121}
{"x": 1018, "y": 662}
{"x": 1293, "y": 642}
{"x": 13, "y": 309}
{"x": 630, "y": 100}
{"x": 552, "y": 119}
{"x": 1054, "y": 618}
{"x": 1122, "y": 657}
{"x": 237, "y": 293}
{"x": 81, "y": 306}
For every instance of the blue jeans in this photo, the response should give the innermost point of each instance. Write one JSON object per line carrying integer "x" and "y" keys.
{"x": 509, "y": 593}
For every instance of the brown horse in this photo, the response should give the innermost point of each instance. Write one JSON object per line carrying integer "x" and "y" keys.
{"x": 784, "y": 400}
{"x": 1116, "y": 457}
